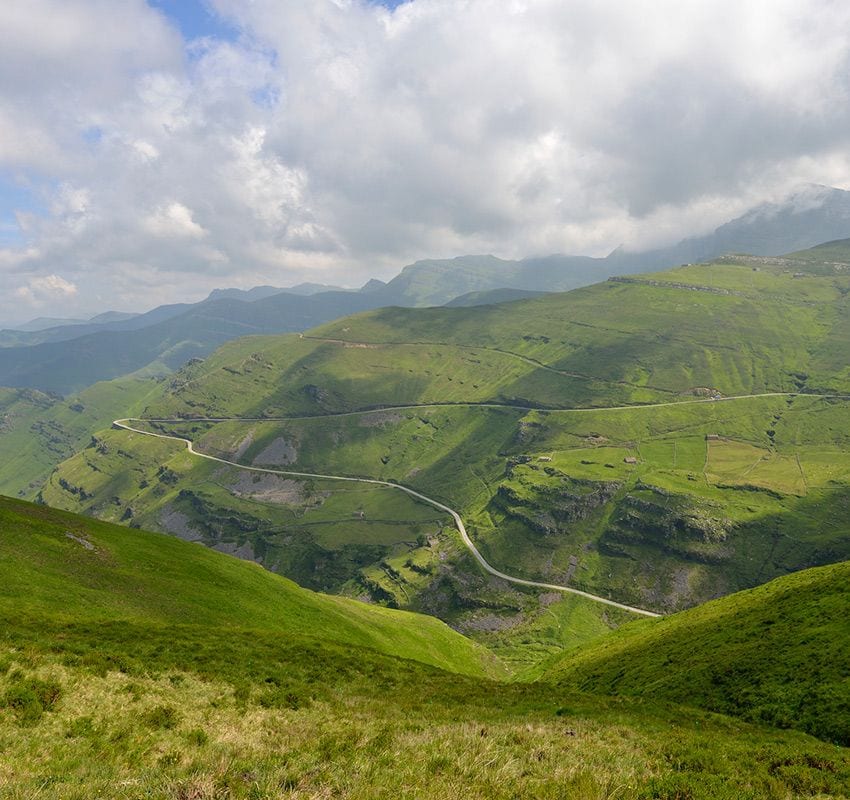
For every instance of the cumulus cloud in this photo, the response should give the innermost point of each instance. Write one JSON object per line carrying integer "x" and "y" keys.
{"x": 173, "y": 221}
{"x": 48, "y": 288}
{"x": 336, "y": 139}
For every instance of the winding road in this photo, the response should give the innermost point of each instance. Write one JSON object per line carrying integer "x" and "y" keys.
{"x": 124, "y": 424}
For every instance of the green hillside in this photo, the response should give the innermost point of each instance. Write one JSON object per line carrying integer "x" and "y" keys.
{"x": 93, "y": 572}
{"x": 136, "y": 665}
{"x": 778, "y": 654}
{"x": 737, "y": 328}
{"x": 603, "y": 438}
{"x": 39, "y": 430}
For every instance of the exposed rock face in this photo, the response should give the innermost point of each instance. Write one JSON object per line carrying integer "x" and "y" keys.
{"x": 269, "y": 489}
{"x": 551, "y": 509}
{"x": 669, "y": 523}
{"x": 281, "y": 452}
{"x": 178, "y": 524}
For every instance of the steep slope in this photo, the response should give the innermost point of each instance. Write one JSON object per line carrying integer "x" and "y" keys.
{"x": 778, "y": 654}
{"x": 91, "y": 572}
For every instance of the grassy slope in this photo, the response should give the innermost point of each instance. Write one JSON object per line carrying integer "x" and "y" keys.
{"x": 37, "y": 430}
{"x": 779, "y": 653}
{"x": 134, "y": 576}
{"x": 749, "y": 332}
{"x": 150, "y": 667}
{"x": 650, "y": 338}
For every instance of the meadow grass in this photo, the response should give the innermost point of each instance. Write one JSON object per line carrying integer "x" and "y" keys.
{"x": 85, "y": 570}
{"x": 776, "y": 654}
{"x": 176, "y": 712}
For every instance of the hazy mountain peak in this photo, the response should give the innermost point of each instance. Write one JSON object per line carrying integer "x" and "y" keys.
{"x": 314, "y": 288}
{"x": 372, "y": 285}
{"x": 803, "y": 198}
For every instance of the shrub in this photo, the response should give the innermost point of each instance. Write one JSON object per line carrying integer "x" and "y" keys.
{"x": 29, "y": 698}
{"x": 81, "y": 727}
{"x": 197, "y": 737}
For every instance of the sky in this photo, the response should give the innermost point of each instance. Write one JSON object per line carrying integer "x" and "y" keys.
{"x": 153, "y": 151}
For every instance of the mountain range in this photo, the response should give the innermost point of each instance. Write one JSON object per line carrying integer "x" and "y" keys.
{"x": 68, "y": 357}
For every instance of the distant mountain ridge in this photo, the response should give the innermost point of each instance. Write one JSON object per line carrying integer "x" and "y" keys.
{"x": 46, "y": 323}
{"x": 174, "y": 333}
{"x": 165, "y": 338}
{"x": 809, "y": 216}
{"x": 261, "y": 292}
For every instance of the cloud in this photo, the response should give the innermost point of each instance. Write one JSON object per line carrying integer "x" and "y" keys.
{"x": 333, "y": 140}
{"x": 173, "y": 221}
{"x": 41, "y": 290}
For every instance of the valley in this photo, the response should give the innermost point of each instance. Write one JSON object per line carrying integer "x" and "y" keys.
{"x": 656, "y": 464}
{"x": 415, "y": 399}
{"x": 533, "y": 480}
{"x": 125, "y": 424}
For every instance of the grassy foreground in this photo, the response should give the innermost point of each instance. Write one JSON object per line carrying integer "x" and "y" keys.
{"x": 372, "y": 729}
{"x": 133, "y": 665}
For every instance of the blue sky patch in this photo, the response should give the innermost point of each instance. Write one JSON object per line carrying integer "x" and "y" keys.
{"x": 195, "y": 19}
{"x": 15, "y": 195}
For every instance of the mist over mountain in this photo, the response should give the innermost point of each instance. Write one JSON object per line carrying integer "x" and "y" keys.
{"x": 810, "y": 215}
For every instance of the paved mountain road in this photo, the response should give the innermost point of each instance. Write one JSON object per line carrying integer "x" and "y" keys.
{"x": 124, "y": 424}
{"x": 548, "y": 410}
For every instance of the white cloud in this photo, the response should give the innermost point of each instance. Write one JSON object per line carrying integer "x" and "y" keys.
{"x": 173, "y": 221}
{"x": 337, "y": 140}
{"x": 47, "y": 288}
